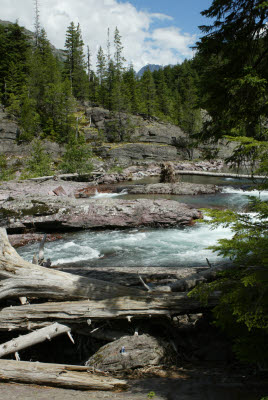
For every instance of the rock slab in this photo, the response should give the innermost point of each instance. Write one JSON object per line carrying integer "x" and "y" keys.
{"x": 63, "y": 213}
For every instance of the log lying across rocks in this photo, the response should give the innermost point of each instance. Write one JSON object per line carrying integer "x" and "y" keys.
{"x": 77, "y": 313}
{"x": 38, "y": 336}
{"x": 68, "y": 376}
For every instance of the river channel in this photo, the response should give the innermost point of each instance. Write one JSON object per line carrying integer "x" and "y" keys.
{"x": 144, "y": 247}
{"x": 162, "y": 248}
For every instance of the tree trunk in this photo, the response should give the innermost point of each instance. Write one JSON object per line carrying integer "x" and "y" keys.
{"x": 35, "y": 316}
{"x": 68, "y": 376}
{"x": 38, "y": 336}
{"x": 20, "y": 278}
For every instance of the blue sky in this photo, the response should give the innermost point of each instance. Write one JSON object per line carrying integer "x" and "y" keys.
{"x": 153, "y": 31}
{"x": 186, "y": 13}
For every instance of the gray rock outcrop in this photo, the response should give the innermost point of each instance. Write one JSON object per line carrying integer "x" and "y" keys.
{"x": 10, "y": 139}
{"x": 178, "y": 188}
{"x": 130, "y": 352}
{"x": 64, "y": 213}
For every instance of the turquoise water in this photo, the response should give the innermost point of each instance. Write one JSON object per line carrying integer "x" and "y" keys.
{"x": 176, "y": 248}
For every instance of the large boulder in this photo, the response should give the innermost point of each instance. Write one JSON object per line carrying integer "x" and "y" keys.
{"x": 64, "y": 213}
{"x": 130, "y": 352}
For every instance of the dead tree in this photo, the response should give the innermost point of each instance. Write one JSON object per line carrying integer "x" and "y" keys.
{"x": 167, "y": 174}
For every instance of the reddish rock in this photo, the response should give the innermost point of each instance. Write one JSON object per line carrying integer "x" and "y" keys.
{"x": 59, "y": 191}
{"x": 19, "y": 240}
{"x": 64, "y": 213}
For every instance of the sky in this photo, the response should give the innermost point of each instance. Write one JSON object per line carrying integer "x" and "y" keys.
{"x": 153, "y": 31}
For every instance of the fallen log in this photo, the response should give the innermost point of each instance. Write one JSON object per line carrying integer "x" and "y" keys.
{"x": 20, "y": 278}
{"x": 219, "y": 174}
{"x": 79, "y": 314}
{"x": 191, "y": 281}
{"x": 68, "y": 376}
{"x": 38, "y": 336}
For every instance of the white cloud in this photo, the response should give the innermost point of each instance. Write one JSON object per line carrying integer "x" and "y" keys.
{"x": 142, "y": 43}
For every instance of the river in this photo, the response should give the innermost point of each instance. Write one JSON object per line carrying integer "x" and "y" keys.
{"x": 174, "y": 248}
{"x": 177, "y": 247}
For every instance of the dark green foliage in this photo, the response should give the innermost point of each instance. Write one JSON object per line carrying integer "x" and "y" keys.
{"x": 13, "y": 66}
{"x": 75, "y": 64}
{"x": 243, "y": 308}
{"x": 234, "y": 86}
{"x": 233, "y": 58}
{"x": 39, "y": 164}
{"x": 77, "y": 157}
{"x": 148, "y": 93}
{"x": 6, "y": 173}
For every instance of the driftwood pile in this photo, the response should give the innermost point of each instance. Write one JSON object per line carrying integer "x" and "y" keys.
{"x": 55, "y": 303}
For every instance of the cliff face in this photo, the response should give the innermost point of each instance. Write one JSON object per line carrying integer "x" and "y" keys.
{"x": 121, "y": 138}
{"x": 134, "y": 138}
{"x": 9, "y": 139}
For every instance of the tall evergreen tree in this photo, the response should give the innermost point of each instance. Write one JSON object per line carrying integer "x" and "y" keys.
{"x": 101, "y": 71}
{"x": 233, "y": 56}
{"x": 148, "y": 93}
{"x": 14, "y": 48}
{"x": 75, "y": 63}
{"x": 132, "y": 90}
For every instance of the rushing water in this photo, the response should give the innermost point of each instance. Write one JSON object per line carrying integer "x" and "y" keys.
{"x": 135, "y": 248}
{"x": 152, "y": 247}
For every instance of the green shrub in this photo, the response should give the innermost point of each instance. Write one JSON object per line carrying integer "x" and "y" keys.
{"x": 39, "y": 163}
{"x": 77, "y": 158}
{"x": 6, "y": 173}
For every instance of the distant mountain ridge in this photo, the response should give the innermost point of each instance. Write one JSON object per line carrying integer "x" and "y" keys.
{"x": 151, "y": 67}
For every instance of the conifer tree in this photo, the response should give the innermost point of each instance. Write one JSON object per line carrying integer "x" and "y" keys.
{"x": 163, "y": 101}
{"x": 148, "y": 93}
{"x": 132, "y": 90}
{"x": 101, "y": 71}
{"x": 14, "y": 48}
{"x": 233, "y": 57}
{"x": 74, "y": 63}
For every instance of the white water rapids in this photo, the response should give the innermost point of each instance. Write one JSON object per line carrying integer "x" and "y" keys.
{"x": 147, "y": 247}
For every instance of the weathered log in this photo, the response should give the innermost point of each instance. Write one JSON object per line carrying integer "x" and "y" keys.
{"x": 191, "y": 281}
{"x": 68, "y": 376}
{"x": 38, "y": 336}
{"x": 219, "y": 174}
{"x": 73, "y": 314}
{"x": 20, "y": 278}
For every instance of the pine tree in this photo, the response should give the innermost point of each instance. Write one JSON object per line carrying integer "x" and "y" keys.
{"x": 75, "y": 64}
{"x": 148, "y": 93}
{"x": 101, "y": 71}
{"x": 132, "y": 90}
{"x": 14, "y": 48}
{"x": 233, "y": 57}
{"x": 163, "y": 94}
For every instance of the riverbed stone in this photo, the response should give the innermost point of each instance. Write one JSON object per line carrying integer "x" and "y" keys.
{"x": 130, "y": 352}
{"x": 64, "y": 213}
{"x": 178, "y": 188}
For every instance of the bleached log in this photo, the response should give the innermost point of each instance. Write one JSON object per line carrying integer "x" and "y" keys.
{"x": 77, "y": 313}
{"x": 219, "y": 174}
{"x": 38, "y": 336}
{"x": 191, "y": 281}
{"x": 20, "y": 278}
{"x": 67, "y": 376}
